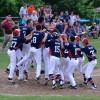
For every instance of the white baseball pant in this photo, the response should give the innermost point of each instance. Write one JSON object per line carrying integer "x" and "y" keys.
{"x": 81, "y": 61}
{"x": 73, "y": 63}
{"x": 14, "y": 55}
{"x": 46, "y": 57}
{"x": 54, "y": 62}
{"x": 88, "y": 68}
{"x": 37, "y": 56}
{"x": 63, "y": 66}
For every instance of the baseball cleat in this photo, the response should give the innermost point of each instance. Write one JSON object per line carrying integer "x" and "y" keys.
{"x": 7, "y": 71}
{"x": 37, "y": 80}
{"x": 26, "y": 74}
{"x": 17, "y": 72}
{"x": 32, "y": 66}
{"x": 94, "y": 87}
{"x": 11, "y": 81}
{"x": 21, "y": 79}
{"x": 72, "y": 87}
{"x": 42, "y": 71}
{"x": 61, "y": 86}
{"x": 54, "y": 86}
{"x": 46, "y": 81}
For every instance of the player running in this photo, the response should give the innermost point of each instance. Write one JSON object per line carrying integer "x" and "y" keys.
{"x": 87, "y": 69}
{"x": 55, "y": 44}
{"x": 14, "y": 50}
{"x": 79, "y": 53}
{"x": 38, "y": 38}
{"x": 73, "y": 63}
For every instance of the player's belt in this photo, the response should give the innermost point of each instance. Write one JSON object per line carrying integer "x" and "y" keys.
{"x": 74, "y": 58}
{"x": 12, "y": 49}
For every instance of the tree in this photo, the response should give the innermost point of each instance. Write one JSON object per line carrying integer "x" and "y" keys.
{"x": 12, "y": 6}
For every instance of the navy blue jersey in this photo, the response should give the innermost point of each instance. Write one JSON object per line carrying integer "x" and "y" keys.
{"x": 64, "y": 52}
{"x": 49, "y": 37}
{"x": 90, "y": 52}
{"x": 37, "y": 38}
{"x": 79, "y": 53}
{"x": 17, "y": 43}
{"x": 55, "y": 47}
{"x": 72, "y": 49}
{"x": 25, "y": 30}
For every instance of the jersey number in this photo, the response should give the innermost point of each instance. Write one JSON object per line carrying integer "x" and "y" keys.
{"x": 24, "y": 32}
{"x": 34, "y": 39}
{"x": 57, "y": 49}
{"x": 92, "y": 52}
{"x": 13, "y": 44}
{"x": 65, "y": 51}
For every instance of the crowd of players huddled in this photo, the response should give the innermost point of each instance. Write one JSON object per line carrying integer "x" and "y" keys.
{"x": 53, "y": 39}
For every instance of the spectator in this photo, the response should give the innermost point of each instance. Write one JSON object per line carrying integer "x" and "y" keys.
{"x": 77, "y": 17}
{"x": 66, "y": 17}
{"x": 69, "y": 30}
{"x": 60, "y": 27}
{"x": 55, "y": 16}
{"x": 6, "y": 27}
{"x": 30, "y": 9}
{"x": 26, "y": 17}
{"x": 84, "y": 30}
{"x": 94, "y": 31}
{"x": 34, "y": 16}
{"x": 23, "y": 10}
{"x": 61, "y": 16}
{"x": 98, "y": 28}
{"x": 77, "y": 29}
{"x": 72, "y": 18}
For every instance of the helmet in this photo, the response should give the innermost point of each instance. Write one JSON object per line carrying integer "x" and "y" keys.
{"x": 77, "y": 38}
{"x": 15, "y": 32}
{"x": 55, "y": 35}
{"x": 85, "y": 40}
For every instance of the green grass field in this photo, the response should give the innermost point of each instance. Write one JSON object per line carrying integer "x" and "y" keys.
{"x": 4, "y": 61}
{"x": 48, "y": 98}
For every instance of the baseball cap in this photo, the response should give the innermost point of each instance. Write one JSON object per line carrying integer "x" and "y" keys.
{"x": 77, "y": 38}
{"x": 15, "y": 32}
{"x": 85, "y": 40}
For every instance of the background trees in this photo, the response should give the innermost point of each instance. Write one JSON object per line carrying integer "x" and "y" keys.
{"x": 85, "y": 8}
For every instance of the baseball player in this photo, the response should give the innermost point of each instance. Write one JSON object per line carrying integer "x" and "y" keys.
{"x": 65, "y": 60}
{"x": 26, "y": 30}
{"x": 14, "y": 50}
{"x": 79, "y": 53}
{"x": 73, "y": 63}
{"x": 55, "y": 45}
{"x": 87, "y": 69}
{"x": 36, "y": 42}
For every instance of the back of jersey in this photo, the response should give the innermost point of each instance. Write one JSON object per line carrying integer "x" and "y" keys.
{"x": 17, "y": 43}
{"x": 37, "y": 39}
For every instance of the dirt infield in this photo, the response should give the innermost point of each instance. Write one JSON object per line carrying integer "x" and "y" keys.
{"x": 32, "y": 88}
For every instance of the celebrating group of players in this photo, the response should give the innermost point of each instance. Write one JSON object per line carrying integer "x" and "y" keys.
{"x": 61, "y": 55}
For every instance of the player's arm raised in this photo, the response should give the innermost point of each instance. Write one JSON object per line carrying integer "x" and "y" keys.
{"x": 45, "y": 37}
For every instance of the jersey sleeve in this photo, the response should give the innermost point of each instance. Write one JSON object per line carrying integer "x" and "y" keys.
{"x": 95, "y": 51}
{"x": 22, "y": 40}
{"x": 48, "y": 43}
{"x": 82, "y": 49}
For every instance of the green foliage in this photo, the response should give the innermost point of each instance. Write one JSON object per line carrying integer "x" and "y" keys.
{"x": 13, "y": 6}
{"x": 84, "y": 8}
{"x": 8, "y": 7}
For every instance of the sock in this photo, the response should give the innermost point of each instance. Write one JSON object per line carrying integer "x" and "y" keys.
{"x": 85, "y": 80}
{"x": 91, "y": 81}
